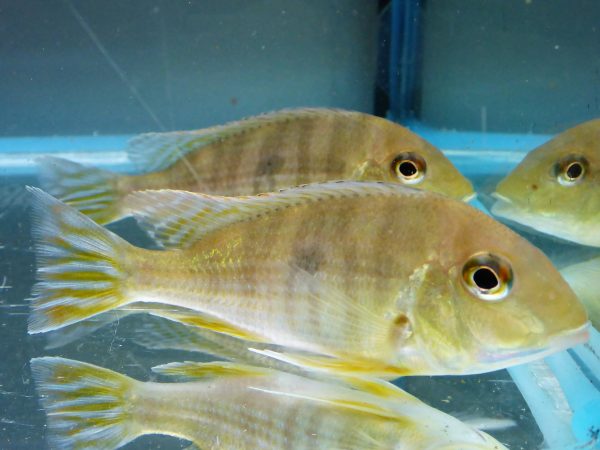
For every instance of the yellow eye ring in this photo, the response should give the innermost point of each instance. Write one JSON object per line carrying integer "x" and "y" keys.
{"x": 571, "y": 170}
{"x": 487, "y": 277}
{"x": 409, "y": 168}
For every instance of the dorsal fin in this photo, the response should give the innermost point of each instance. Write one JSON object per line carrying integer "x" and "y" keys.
{"x": 386, "y": 401}
{"x": 177, "y": 219}
{"x": 152, "y": 152}
{"x": 213, "y": 369}
{"x": 333, "y": 398}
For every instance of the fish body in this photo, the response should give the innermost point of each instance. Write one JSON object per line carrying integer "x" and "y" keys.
{"x": 229, "y": 406}
{"x": 260, "y": 154}
{"x": 556, "y": 188}
{"x": 584, "y": 279}
{"x": 384, "y": 279}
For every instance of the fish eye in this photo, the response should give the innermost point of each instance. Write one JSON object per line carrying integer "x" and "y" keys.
{"x": 570, "y": 170}
{"x": 487, "y": 277}
{"x": 409, "y": 168}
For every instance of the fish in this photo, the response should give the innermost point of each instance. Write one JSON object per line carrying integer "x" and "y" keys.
{"x": 584, "y": 279}
{"x": 233, "y": 406}
{"x": 259, "y": 154}
{"x": 172, "y": 334}
{"x": 554, "y": 189}
{"x": 350, "y": 277}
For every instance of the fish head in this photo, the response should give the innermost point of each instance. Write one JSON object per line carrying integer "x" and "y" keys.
{"x": 555, "y": 188}
{"x": 488, "y": 300}
{"x": 403, "y": 157}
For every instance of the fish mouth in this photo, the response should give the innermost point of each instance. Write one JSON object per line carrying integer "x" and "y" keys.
{"x": 506, "y": 208}
{"x": 503, "y": 359}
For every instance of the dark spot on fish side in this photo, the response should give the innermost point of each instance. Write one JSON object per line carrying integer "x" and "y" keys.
{"x": 266, "y": 168}
{"x": 233, "y": 101}
{"x": 309, "y": 259}
{"x": 534, "y": 187}
{"x": 270, "y": 165}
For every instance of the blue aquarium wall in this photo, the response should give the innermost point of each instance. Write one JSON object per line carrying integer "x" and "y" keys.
{"x": 519, "y": 66}
{"x": 95, "y": 67}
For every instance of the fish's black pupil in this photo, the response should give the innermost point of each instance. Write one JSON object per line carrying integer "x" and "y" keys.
{"x": 574, "y": 171}
{"x": 485, "y": 278}
{"x": 407, "y": 168}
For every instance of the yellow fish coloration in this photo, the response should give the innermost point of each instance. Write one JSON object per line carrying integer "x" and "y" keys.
{"x": 260, "y": 154}
{"x": 369, "y": 277}
{"x": 555, "y": 189}
{"x": 230, "y": 406}
{"x": 584, "y": 279}
{"x": 172, "y": 334}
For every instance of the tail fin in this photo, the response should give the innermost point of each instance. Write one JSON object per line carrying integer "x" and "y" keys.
{"x": 93, "y": 192}
{"x": 81, "y": 330}
{"x": 88, "y": 407}
{"x": 80, "y": 266}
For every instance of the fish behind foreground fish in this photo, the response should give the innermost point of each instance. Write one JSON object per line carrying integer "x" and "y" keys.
{"x": 584, "y": 279}
{"x": 260, "y": 154}
{"x": 556, "y": 188}
{"x": 373, "y": 277}
{"x": 231, "y": 406}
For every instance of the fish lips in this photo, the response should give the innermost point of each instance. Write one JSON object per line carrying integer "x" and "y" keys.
{"x": 500, "y": 359}
{"x": 517, "y": 217}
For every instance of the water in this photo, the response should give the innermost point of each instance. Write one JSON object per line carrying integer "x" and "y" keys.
{"x": 99, "y": 71}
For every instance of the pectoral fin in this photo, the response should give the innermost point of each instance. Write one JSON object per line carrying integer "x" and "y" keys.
{"x": 335, "y": 366}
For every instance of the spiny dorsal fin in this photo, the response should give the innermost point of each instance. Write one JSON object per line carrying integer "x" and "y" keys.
{"x": 197, "y": 370}
{"x": 151, "y": 152}
{"x": 177, "y": 219}
{"x": 338, "y": 397}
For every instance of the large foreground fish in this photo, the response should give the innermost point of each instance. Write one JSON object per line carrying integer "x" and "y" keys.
{"x": 556, "y": 188}
{"x": 260, "y": 154}
{"x": 373, "y": 277}
{"x": 237, "y": 407}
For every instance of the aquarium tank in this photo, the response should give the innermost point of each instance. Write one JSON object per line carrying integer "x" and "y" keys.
{"x": 152, "y": 94}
